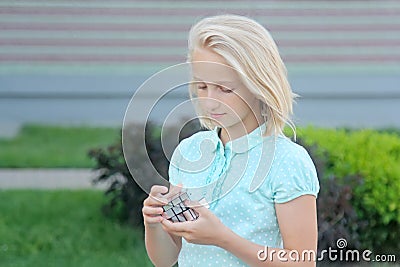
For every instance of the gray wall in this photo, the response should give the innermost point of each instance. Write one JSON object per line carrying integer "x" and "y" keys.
{"x": 326, "y": 100}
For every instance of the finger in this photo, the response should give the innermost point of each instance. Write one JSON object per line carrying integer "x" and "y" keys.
{"x": 153, "y": 220}
{"x": 158, "y": 190}
{"x": 155, "y": 201}
{"x": 149, "y": 211}
{"x": 176, "y": 226}
{"x": 174, "y": 190}
{"x": 181, "y": 234}
{"x": 156, "y": 196}
{"x": 168, "y": 226}
{"x": 196, "y": 206}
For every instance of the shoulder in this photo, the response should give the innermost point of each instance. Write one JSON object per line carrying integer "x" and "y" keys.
{"x": 290, "y": 152}
{"x": 294, "y": 172}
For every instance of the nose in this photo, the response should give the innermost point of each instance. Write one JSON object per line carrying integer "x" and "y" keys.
{"x": 211, "y": 101}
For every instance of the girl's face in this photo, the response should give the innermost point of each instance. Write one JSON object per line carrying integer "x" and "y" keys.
{"x": 221, "y": 94}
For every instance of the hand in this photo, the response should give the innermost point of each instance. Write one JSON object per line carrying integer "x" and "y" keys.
{"x": 152, "y": 205}
{"x": 206, "y": 230}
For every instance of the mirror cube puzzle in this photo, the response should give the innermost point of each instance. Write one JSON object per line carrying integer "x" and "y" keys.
{"x": 177, "y": 211}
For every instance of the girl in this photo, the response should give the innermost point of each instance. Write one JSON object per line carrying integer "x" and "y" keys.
{"x": 255, "y": 218}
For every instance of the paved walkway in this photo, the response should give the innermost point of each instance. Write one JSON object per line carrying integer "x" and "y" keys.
{"x": 48, "y": 179}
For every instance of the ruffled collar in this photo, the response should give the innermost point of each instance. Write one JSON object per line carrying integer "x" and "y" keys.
{"x": 243, "y": 143}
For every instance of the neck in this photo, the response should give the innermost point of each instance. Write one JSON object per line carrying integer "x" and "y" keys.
{"x": 240, "y": 129}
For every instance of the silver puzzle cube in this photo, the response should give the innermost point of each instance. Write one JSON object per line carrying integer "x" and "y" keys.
{"x": 177, "y": 211}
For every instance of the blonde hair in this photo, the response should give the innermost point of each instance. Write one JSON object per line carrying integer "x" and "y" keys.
{"x": 249, "y": 49}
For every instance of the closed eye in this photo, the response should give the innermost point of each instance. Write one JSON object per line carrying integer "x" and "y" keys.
{"x": 226, "y": 90}
{"x": 201, "y": 86}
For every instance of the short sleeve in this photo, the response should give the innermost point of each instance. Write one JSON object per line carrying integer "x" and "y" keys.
{"x": 295, "y": 176}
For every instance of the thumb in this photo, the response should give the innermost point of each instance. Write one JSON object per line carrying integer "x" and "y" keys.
{"x": 198, "y": 206}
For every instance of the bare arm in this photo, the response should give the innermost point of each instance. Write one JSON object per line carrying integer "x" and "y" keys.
{"x": 298, "y": 225}
{"x": 162, "y": 248}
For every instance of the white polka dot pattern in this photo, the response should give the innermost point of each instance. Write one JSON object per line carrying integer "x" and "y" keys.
{"x": 250, "y": 215}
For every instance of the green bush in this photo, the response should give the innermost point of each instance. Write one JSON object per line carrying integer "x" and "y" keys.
{"x": 337, "y": 217}
{"x": 125, "y": 197}
{"x": 375, "y": 156}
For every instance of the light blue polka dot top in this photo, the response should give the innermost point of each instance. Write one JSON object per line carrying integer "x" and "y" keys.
{"x": 242, "y": 181}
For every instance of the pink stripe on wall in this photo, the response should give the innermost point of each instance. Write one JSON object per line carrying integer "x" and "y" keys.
{"x": 182, "y": 28}
{"x": 135, "y": 11}
{"x": 181, "y": 58}
{"x": 77, "y": 42}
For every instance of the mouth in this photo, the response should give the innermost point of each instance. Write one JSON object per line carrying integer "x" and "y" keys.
{"x": 216, "y": 115}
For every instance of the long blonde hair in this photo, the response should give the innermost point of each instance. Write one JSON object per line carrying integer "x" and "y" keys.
{"x": 249, "y": 49}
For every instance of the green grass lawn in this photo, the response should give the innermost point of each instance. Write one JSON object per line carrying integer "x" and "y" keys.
{"x": 54, "y": 147}
{"x": 64, "y": 228}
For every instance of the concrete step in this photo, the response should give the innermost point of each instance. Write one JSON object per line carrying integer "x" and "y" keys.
{"x": 48, "y": 179}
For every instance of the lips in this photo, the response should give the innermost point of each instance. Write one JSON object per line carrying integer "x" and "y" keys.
{"x": 216, "y": 115}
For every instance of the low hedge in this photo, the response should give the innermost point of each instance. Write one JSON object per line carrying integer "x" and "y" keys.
{"x": 375, "y": 156}
{"x": 359, "y": 174}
